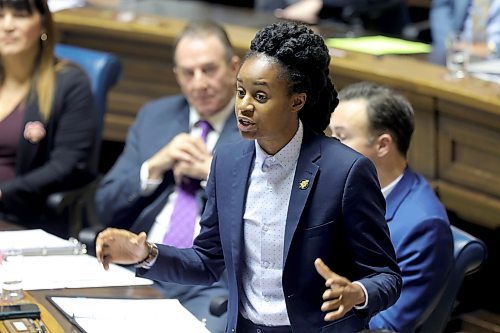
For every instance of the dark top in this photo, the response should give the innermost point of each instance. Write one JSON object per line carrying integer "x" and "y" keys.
{"x": 61, "y": 160}
{"x": 10, "y": 127}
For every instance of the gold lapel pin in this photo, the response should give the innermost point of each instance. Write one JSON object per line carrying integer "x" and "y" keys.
{"x": 304, "y": 183}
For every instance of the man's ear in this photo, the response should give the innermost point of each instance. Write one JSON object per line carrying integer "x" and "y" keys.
{"x": 298, "y": 101}
{"x": 235, "y": 63}
{"x": 385, "y": 144}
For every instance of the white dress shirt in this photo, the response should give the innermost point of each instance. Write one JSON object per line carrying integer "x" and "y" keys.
{"x": 162, "y": 222}
{"x": 262, "y": 297}
{"x": 388, "y": 189}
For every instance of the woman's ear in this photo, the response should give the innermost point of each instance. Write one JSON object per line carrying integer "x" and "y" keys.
{"x": 298, "y": 101}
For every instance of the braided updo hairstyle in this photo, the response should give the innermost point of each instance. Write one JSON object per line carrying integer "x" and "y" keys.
{"x": 305, "y": 60}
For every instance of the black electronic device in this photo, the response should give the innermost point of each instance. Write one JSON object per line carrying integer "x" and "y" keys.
{"x": 24, "y": 310}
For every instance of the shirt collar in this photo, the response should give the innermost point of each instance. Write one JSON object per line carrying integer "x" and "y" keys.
{"x": 388, "y": 189}
{"x": 217, "y": 120}
{"x": 288, "y": 155}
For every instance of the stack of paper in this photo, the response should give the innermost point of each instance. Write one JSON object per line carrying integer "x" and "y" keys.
{"x": 80, "y": 271}
{"x": 50, "y": 262}
{"x": 37, "y": 242}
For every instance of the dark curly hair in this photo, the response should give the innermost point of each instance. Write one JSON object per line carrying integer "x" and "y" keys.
{"x": 305, "y": 60}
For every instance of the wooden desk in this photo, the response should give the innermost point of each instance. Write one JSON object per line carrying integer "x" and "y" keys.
{"x": 457, "y": 123}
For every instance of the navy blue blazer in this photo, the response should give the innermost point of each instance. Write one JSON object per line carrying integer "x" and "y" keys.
{"x": 422, "y": 238}
{"x": 338, "y": 217}
{"x": 118, "y": 199}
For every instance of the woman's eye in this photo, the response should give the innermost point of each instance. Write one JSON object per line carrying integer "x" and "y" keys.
{"x": 260, "y": 97}
{"x": 240, "y": 93}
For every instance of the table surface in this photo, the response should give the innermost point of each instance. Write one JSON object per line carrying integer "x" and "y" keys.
{"x": 54, "y": 320}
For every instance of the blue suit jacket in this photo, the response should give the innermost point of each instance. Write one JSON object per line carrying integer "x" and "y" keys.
{"x": 338, "y": 217}
{"x": 118, "y": 199}
{"x": 422, "y": 238}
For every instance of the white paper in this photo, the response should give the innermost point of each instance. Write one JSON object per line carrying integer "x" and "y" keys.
{"x": 35, "y": 240}
{"x": 104, "y": 315}
{"x": 491, "y": 66}
{"x": 57, "y": 5}
{"x": 74, "y": 271}
{"x": 495, "y": 78}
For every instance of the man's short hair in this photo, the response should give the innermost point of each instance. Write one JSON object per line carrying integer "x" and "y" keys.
{"x": 206, "y": 28}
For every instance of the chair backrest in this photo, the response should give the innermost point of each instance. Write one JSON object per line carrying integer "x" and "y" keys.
{"x": 470, "y": 253}
{"x": 104, "y": 71}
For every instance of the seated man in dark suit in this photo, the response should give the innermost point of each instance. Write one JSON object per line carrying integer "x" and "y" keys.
{"x": 167, "y": 146}
{"x": 378, "y": 123}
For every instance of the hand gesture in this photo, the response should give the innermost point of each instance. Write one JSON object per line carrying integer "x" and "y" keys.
{"x": 341, "y": 294}
{"x": 121, "y": 247}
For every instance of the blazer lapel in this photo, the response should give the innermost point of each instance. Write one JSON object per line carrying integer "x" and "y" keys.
{"x": 239, "y": 180}
{"x": 398, "y": 194}
{"x": 305, "y": 175}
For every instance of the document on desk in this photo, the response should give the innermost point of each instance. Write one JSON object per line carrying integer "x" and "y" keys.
{"x": 490, "y": 66}
{"x": 379, "y": 45}
{"x": 74, "y": 271}
{"x": 104, "y": 315}
{"x": 37, "y": 242}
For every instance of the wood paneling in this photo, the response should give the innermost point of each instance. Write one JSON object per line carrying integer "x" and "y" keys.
{"x": 469, "y": 155}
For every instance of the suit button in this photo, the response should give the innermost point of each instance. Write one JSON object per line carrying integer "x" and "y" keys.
{"x": 259, "y": 330}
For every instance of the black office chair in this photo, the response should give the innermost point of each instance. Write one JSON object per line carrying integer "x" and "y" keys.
{"x": 470, "y": 253}
{"x": 104, "y": 71}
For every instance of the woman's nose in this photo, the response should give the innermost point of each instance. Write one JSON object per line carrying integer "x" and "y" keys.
{"x": 7, "y": 21}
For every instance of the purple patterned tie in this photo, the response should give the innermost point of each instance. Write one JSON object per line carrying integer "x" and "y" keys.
{"x": 180, "y": 233}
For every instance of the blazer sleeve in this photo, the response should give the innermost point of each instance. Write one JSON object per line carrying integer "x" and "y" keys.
{"x": 70, "y": 139}
{"x": 375, "y": 264}
{"x": 425, "y": 257}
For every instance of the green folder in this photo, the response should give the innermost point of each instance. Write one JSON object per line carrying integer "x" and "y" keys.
{"x": 379, "y": 45}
